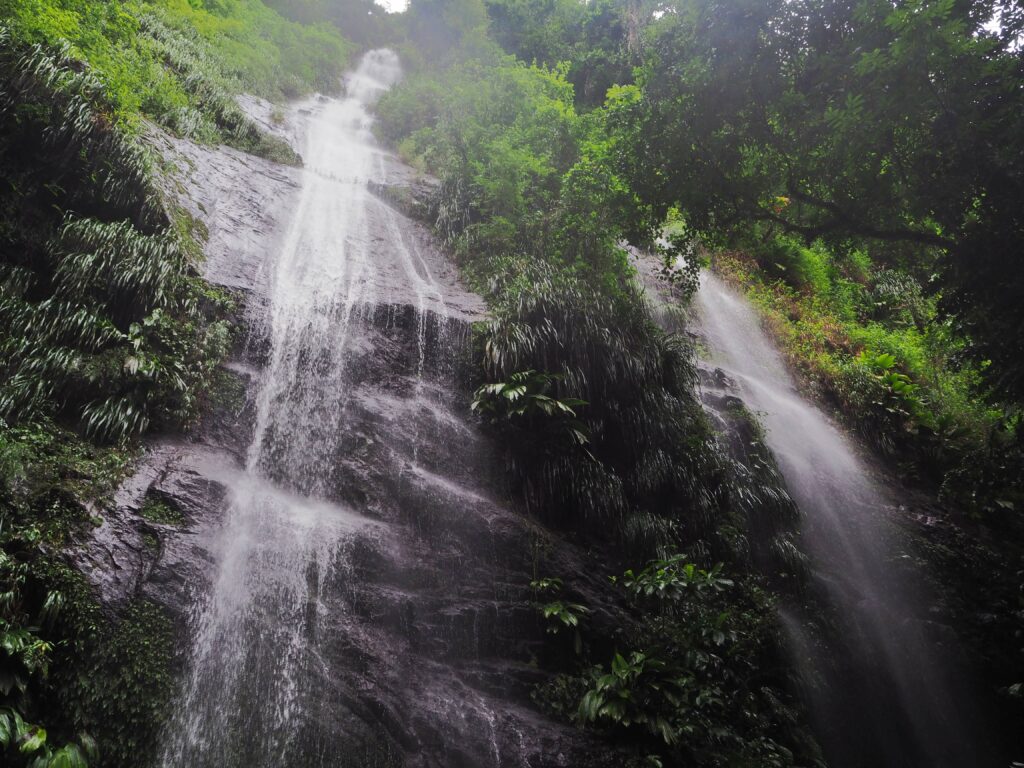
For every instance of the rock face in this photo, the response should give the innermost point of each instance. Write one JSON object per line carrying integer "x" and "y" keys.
{"x": 349, "y": 578}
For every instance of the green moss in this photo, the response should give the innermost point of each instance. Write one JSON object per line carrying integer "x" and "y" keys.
{"x": 127, "y": 686}
{"x": 157, "y": 510}
{"x": 192, "y": 231}
{"x": 270, "y": 148}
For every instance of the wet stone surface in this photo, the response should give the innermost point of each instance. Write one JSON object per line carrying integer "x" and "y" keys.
{"x": 382, "y": 614}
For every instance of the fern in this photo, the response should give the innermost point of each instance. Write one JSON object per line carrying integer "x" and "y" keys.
{"x": 215, "y": 114}
{"x": 649, "y": 469}
{"x": 79, "y": 133}
{"x": 133, "y": 273}
{"x": 99, "y": 312}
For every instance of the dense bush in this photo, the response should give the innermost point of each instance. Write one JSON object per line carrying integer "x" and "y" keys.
{"x": 523, "y": 175}
{"x": 101, "y": 315}
{"x": 647, "y": 471}
{"x": 96, "y": 688}
{"x": 251, "y": 44}
{"x": 692, "y": 685}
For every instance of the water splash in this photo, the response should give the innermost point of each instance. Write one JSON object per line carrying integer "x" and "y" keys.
{"x": 903, "y": 705}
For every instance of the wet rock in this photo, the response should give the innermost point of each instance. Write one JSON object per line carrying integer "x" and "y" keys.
{"x": 424, "y": 634}
{"x": 416, "y": 197}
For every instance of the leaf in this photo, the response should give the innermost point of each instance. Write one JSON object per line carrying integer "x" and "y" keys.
{"x": 7, "y": 681}
{"x": 35, "y": 740}
{"x": 89, "y": 746}
{"x": 69, "y": 756}
{"x": 6, "y": 729}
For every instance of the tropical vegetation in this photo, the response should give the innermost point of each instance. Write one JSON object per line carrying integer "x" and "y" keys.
{"x": 855, "y": 168}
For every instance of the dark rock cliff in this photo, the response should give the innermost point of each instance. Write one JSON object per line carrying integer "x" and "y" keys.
{"x": 425, "y": 639}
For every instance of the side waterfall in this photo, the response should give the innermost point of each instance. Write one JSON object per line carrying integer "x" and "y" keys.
{"x": 899, "y": 702}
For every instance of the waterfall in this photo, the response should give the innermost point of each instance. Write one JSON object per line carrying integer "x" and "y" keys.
{"x": 352, "y": 578}
{"x": 283, "y": 535}
{"x": 904, "y": 704}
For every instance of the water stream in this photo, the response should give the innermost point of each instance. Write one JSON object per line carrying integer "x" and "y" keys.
{"x": 363, "y": 608}
{"x": 887, "y": 694}
{"x": 283, "y": 537}
{"x": 359, "y": 597}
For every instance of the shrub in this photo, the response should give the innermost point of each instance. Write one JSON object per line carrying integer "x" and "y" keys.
{"x": 798, "y": 266}
{"x": 101, "y": 315}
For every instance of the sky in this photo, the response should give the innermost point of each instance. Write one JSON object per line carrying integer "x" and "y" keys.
{"x": 393, "y": 5}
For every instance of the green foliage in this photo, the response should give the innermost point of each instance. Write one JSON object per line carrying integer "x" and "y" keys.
{"x": 896, "y": 392}
{"x": 499, "y": 137}
{"x": 25, "y": 657}
{"x": 898, "y": 372}
{"x": 446, "y": 30}
{"x": 101, "y": 316}
{"x": 157, "y": 510}
{"x": 52, "y": 637}
{"x": 648, "y": 471}
{"x": 127, "y": 684}
{"x": 865, "y": 124}
{"x": 558, "y": 613}
{"x": 211, "y": 113}
{"x": 181, "y": 64}
{"x": 638, "y": 691}
{"x": 157, "y": 55}
{"x": 361, "y": 21}
{"x": 596, "y": 39}
{"x": 687, "y": 695}
{"x": 27, "y": 745}
{"x": 673, "y": 580}
{"x": 523, "y": 398}
{"x": 800, "y": 267}
{"x": 681, "y": 263}
{"x": 530, "y": 208}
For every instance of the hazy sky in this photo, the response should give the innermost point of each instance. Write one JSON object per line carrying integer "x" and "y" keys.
{"x": 393, "y": 5}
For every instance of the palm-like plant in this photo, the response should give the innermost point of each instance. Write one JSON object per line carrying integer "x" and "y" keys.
{"x": 99, "y": 319}
{"x": 650, "y": 466}
{"x": 525, "y": 398}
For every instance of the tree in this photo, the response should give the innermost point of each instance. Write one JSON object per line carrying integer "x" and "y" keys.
{"x": 849, "y": 121}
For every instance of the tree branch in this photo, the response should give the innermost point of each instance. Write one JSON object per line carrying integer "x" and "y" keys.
{"x": 841, "y": 221}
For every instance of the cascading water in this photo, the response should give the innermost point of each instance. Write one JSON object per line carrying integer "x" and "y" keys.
{"x": 898, "y": 701}
{"x": 351, "y": 575}
{"x": 256, "y": 636}
{"x": 358, "y": 585}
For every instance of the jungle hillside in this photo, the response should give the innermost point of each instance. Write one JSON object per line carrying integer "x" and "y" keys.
{"x": 486, "y": 383}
